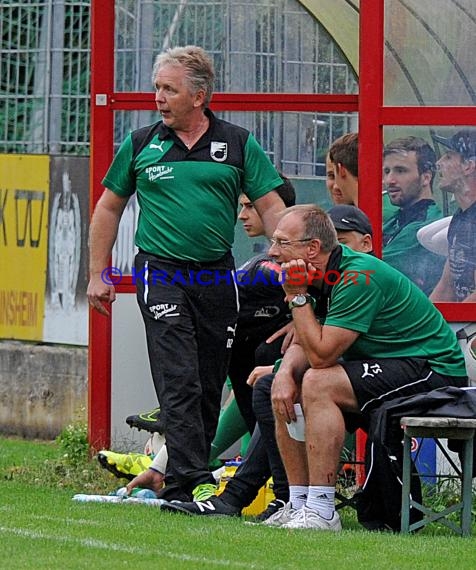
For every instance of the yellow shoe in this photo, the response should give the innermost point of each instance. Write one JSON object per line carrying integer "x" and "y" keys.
{"x": 124, "y": 465}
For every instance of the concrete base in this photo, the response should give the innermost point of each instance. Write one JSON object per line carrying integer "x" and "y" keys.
{"x": 42, "y": 388}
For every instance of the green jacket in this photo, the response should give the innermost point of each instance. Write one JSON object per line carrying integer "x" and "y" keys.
{"x": 403, "y": 251}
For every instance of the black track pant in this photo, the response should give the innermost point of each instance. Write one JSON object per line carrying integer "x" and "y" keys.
{"x": 262, "y": 458}
{"x": 190, "y": 328}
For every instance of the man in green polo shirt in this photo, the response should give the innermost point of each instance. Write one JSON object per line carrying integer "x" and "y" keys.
{"x": 188, "y": 170}
{"x": 376, "y": 337}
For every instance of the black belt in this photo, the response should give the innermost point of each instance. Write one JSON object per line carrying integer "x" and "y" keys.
{"x": 226, "y": 259}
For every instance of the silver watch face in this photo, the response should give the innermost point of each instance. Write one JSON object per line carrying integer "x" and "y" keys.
{"x": 299, "y": 300}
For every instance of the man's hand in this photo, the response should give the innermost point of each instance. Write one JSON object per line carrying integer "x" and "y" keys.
{"x": 257, "y": 373}
{"x": 102, "y": 235}
{"x": 284, "y": 393}
{"x": 295, "y": 278}
{"x": 288, "y": 332}
{"x": 149, "y": 479}
{"x": 99, "y": 293}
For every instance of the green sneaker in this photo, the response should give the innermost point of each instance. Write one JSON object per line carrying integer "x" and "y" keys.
{"x": 124, "y": 465}
{"x": 204, "y": 491}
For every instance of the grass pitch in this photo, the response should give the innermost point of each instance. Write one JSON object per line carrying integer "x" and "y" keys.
{"x": 41, "y": 527}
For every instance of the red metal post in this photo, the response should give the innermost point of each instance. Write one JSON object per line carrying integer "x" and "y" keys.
{"x": 371, "y": 44}
{"x": 371, "y": 32}
{"x": 102, "y": 122}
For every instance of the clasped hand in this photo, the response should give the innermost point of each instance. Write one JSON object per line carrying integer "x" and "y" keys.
{"x": 298, "y": 275}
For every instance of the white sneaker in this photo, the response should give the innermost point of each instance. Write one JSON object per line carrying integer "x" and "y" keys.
{"x": 281, "y": 517}
{"x": 308, "y": 518}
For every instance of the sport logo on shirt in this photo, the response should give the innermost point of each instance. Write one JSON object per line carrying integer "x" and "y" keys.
{"x": 219, "y": 151}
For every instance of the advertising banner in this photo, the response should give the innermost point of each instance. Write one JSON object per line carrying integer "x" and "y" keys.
{"x": 24, "y": 183}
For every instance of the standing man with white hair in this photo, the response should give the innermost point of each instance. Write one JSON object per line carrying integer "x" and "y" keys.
{"x": 188, "y": 170}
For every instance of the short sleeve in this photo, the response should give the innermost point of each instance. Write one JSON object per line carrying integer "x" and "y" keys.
{"x": 120, "y": 178}
{"x": 260, "y": 176}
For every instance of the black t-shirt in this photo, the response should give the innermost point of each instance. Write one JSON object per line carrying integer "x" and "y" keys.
{"x": 462, "y": 251}
{"x": 262, "y": 306}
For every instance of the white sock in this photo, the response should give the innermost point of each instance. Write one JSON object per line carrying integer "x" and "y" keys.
{"x": 322, "y": 500}
{"x": 297, "y": 495}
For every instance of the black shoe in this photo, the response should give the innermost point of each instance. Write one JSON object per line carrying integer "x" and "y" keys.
{"x": 150, "y": 421}
{"x": 272, "y": 508}
{"x": 211, "y": 507}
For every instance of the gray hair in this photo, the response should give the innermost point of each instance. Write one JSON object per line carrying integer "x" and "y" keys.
{"x": 197, "y": 64}
{"x": 317, "y": 225}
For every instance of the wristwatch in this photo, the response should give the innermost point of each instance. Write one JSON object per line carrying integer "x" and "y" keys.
{"x": 301, "y": 300}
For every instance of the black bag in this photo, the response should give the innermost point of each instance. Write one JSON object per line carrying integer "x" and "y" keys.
{"x": 379, "y": 501}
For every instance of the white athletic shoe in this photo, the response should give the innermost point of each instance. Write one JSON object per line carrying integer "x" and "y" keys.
{"x": 280, "y": 517}
{"x": 308, "y": 518}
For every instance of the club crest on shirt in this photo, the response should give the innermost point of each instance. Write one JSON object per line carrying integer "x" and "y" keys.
{"x": 219, "y": 151}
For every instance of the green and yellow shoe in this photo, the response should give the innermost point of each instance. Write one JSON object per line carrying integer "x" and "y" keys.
{"x": 124, "y": 465}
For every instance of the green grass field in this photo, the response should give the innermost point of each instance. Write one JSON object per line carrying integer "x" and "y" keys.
{"x": 41, "y": 527}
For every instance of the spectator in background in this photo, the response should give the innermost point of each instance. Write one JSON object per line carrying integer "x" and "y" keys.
{"x": 408, "y": 169}
{"x": 353, "y": 227}
{"x": 344, "y": 155}
{"x": 457, "y": 172}
{"x": 334, "y": 191}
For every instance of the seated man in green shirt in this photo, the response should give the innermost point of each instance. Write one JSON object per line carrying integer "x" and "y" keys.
{"x": 409, "y": 165}
{"x": 376, "y": 337}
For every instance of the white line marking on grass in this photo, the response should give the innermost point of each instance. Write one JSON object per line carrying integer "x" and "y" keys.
{"x": 91, "y": 543}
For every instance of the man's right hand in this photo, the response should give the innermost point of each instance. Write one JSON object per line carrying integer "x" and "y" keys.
{"x": 99, "y": 293}
{"x": 150, "y": 479}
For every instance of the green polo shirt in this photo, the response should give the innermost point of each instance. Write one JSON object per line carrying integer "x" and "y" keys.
{"x": 188, "y": 198}
{"x": 394, "y": 318}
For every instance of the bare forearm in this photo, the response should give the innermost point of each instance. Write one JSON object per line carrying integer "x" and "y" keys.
{"x": 442, "y": 292}
{"x": 269, "y": 207}
{"x": 294, "y": 362}
{"x": 103, "y": 233}
{"x": 309, "y": 331}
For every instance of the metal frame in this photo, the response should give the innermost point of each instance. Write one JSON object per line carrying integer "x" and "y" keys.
{"x": 372, "y": 118}
{"x": 439, "y": 428}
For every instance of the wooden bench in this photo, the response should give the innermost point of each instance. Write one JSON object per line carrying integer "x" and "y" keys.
{"x": 439, "y": 428}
